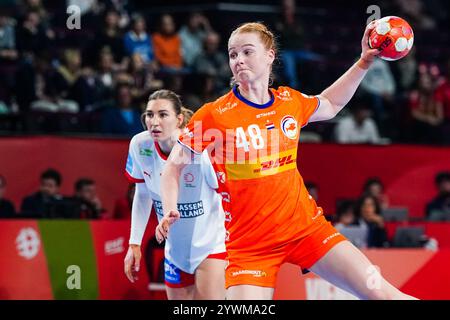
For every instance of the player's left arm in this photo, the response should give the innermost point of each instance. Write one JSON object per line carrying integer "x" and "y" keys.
{"x": 336, "y": 96}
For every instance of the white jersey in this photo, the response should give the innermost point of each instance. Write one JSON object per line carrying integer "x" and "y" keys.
{"x": 200, "y": 231}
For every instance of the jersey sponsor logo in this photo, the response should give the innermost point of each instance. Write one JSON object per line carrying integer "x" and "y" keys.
{"x": 188, "y": 177}
{"x": 285, "y": 95}
{"x": 330, "y": 237}
{"x": 129, "y": 165}
{"x": 188, "y": 180}
{"x": 226, "y": 107}
{"x": 289, "y": 127}
{"x": 265, "y": 166}
{"x": 145, "y": 152}
{"x": 171, "y": 273}
{"x": 254, "y": 273}
{"x": 271, "y": 164}
{"x": 186, "y": 210}
{"x": 266, "y": 114}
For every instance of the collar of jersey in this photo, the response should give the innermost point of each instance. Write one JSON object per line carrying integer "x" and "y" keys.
{"x": 252, "y": 104}
{"x": 159, "y": 151}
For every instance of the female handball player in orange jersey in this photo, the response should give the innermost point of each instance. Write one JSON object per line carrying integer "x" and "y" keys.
{"x": 252, "y": 136}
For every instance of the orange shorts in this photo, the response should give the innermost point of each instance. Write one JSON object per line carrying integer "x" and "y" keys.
{"x": 262, "y": 269}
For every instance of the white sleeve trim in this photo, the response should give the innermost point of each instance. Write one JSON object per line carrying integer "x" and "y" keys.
{"x": 188, "y": 147}
{"x": 315, "y": 110}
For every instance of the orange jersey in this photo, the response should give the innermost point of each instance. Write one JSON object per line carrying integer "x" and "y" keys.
{"x": 253, "y": 149}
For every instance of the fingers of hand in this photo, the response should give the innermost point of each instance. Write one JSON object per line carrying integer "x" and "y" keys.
{"x": 137, "y": 263}
{"x": 127, "y": 270}
{"x": 165, "y": 224}
{"x": 159, "y": 234}
{"x": 371, "y": 25}
{"x": 374, "y": 52}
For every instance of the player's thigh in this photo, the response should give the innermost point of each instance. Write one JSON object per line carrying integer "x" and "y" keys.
{"x": 249, "y": 292}
{"x": 183, "y": 293}
{"x": 210, "y": 279}
{"x": 348, "y": 268}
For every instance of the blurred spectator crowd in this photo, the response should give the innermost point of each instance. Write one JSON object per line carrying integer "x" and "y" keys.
{"x": 48, "y": 203}
{"x": 363, "y": 220}
{"x": 96, "y": 79}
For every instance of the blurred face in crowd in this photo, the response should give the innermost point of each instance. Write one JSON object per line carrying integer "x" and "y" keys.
{"x": 425, "y": 82}
{"x": 112, "y": 19}
{"x": 3, "y": 20}
{"x": 106, "y": 61}
{"x": 194, "y": 21}
{"x": 161, "y": 119}
{"x": 124, "y": 97}
{"x": 368, "y": 208}
{"x": 249, "y": 60}
{"x": 375, "y": 189}
{"x": 288, "y": 7}
{"x": 361, "y": 114}
{"x": 139, "y": 25}
{"x": 347, "y": 218}
{"x": 72, "y": 59}
{"x": 167, "y": 25}
{"x": 444, "y": 186}
{"x": 34, "y": 3}
{"x": 33, "y": 19}
{"x": 136, "y": 62}
{"x": 88, "y": 193}
{"x": 212, "y": 42}
{"x": 49, "y": 187}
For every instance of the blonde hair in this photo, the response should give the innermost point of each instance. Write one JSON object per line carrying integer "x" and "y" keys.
{"x": 187, "y": 115}
{"x": 265, "y": 35}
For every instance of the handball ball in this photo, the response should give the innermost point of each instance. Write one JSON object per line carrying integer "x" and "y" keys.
{"x": 394, "y": 36}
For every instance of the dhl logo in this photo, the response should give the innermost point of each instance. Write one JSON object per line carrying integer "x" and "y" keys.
{"x": 271, "y": 164}
{"x": 265, "y": 166}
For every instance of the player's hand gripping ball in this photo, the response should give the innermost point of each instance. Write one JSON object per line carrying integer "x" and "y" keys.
{"x": 394, "y": 36}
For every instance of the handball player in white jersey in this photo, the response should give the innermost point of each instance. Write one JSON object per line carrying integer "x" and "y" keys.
{"x": 195, "y": 247}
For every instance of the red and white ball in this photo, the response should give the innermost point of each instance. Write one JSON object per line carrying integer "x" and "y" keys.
{"x": 394, "y": 36}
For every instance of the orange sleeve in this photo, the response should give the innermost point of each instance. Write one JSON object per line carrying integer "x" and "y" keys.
{"x": 308, "y": 105}
{"x": 157, "y": 47}
{"x": 195, "y": 136}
